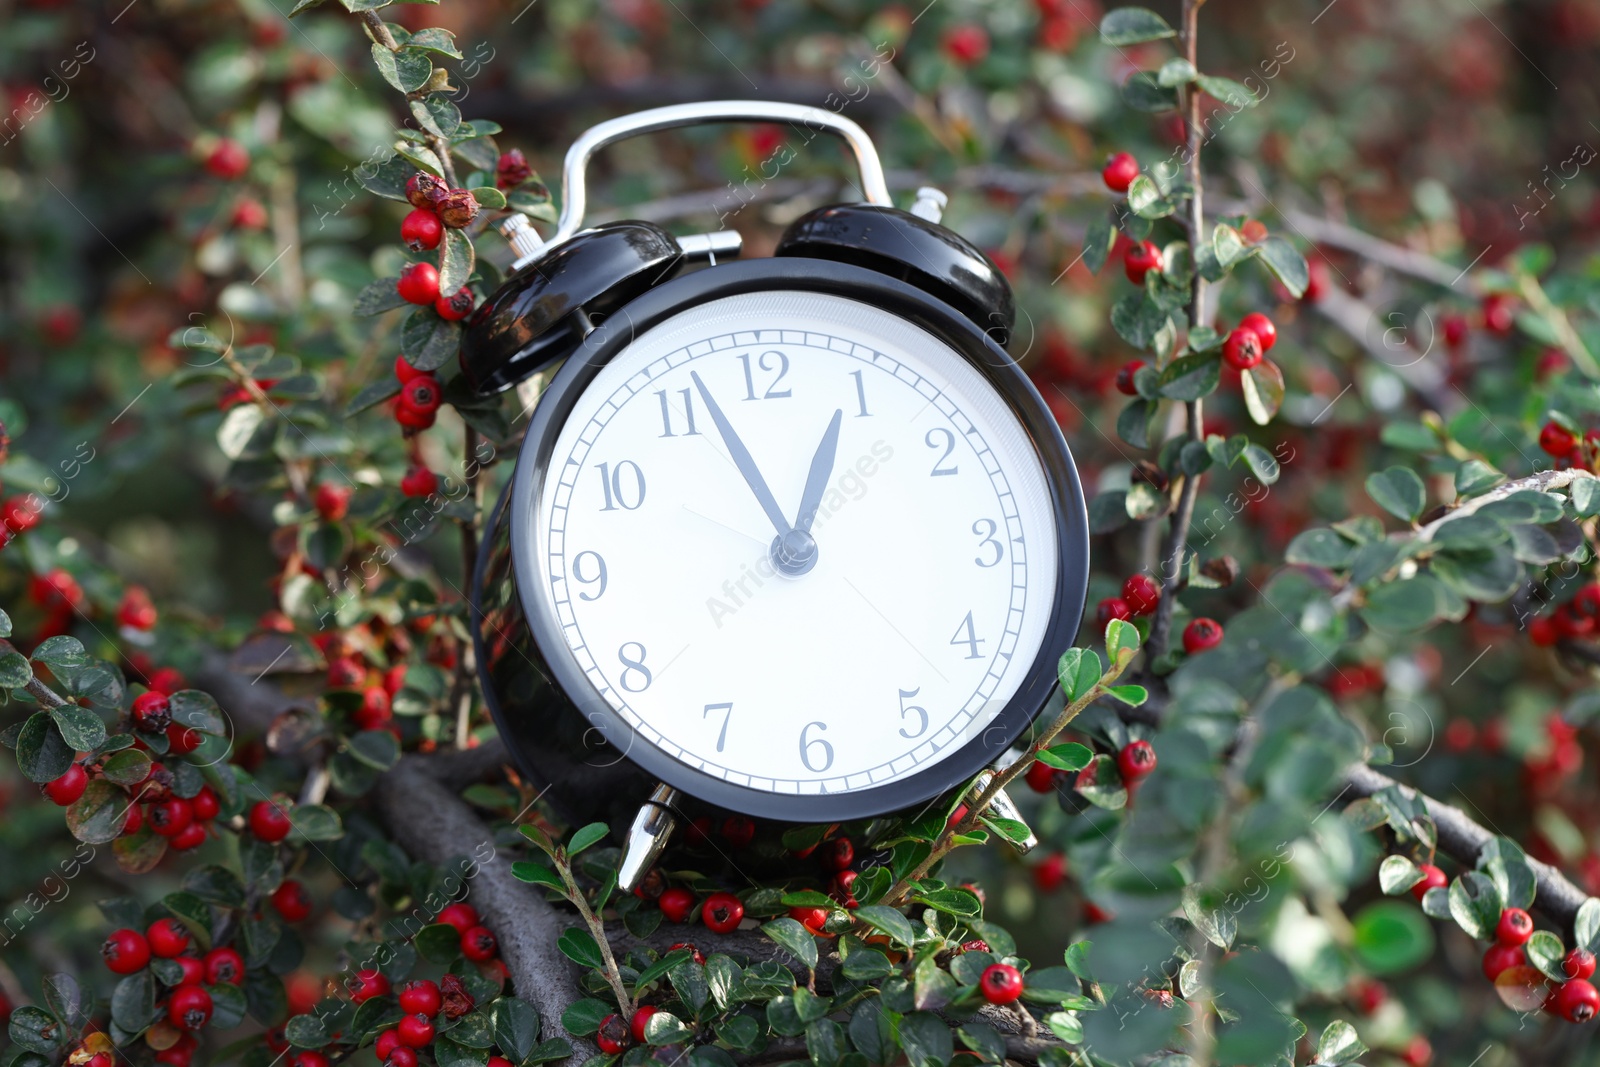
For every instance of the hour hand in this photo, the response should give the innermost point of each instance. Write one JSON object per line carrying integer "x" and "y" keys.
{"x": 743, "y": 460}
{"x": 821, "y": 471}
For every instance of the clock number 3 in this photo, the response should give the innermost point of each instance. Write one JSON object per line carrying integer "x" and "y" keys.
{"x": 985, "y": 529}
{"x": 635, "y": 676}
{"x": 905, "y": 709}
{"x": 808, "y": 744}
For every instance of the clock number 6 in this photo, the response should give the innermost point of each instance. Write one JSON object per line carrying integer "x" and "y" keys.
{"x": 611, "y": 481}
{"x": 985, "y": 528}
{"x": 577, "y": 573}
{"x": 727, "y": 713}
{"x": 633, "y": 665}
{"x": 922, "y": 714}
{"x": 807, "y": 745}
{"x": 949, "y": 446}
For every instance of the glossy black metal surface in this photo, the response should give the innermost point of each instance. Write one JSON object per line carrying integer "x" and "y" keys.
{"x": 564, "y": 734}
{"x": 527, "y": 323}
{"x": 931, "y": 257}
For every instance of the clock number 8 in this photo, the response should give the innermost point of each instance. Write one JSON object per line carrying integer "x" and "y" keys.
{"x": 806, "y": 747}
{"x": 633, "y": 665}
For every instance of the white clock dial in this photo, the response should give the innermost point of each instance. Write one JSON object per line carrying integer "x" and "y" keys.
{"x": 905, "y": 607}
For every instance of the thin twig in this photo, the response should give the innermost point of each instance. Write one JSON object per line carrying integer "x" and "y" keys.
{"x": 46, "y": 696}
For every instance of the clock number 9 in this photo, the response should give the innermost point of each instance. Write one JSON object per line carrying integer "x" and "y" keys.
{"x": 988, "y": 539}
{"x": 922, "y": 714}
{"x": 633, "y": 666}
{"x": 611, "y": 482}
{"x": 577, "y": 573}
{"x": 806, "y": 747}
{"x": 949, "y": 446}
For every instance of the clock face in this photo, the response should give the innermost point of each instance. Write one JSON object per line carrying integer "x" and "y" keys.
{"x": 797, "y": 543}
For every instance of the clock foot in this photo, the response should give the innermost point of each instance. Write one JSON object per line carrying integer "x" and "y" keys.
{"x": 651, "y": 830}
{"x": 1006, "y": 808}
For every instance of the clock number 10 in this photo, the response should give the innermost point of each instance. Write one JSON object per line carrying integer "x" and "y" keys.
{"x": 625, "y": 492}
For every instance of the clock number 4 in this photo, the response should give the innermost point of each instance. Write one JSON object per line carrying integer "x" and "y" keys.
{"x": 948, "y": 443}
{"x": 619, "y": 490}
{"x": 966, "y": 635}
{"x": 688, "y": 413}
{"x": 808, "y": 744}
{"x": 765, "y": 362}
{"x": 635, "y": 676}
{"x": 908, "y": 709}
{"x": 727, "y": 713}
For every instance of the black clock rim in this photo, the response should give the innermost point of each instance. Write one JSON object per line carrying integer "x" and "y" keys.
{"x": 928, "y": 312}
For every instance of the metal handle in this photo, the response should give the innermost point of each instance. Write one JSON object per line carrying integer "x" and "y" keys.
{"x": 574, "y": 195}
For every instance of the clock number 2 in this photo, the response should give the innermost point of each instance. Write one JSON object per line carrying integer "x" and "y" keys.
{"x": 727, "y": 713}
{"x": 971, "y": 638}
{"x": 633, "y": 667}
{"x": 905, "y": 709}
{"x": 807, "y": 745}
{"x": 772, "y": 392}
{"x": 949, "y": 446}
{"x": 619, "y": 491}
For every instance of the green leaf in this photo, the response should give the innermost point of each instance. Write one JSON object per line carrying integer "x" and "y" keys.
{"x": 1144, "y": 93}
{"x": 434, "y": 39}
{"x": 456, "y": 260}
{"x": 379, "y": 296}
{"x": 1227, "y": 91}
{"x": 438, "y": 943}
{"x": 1397, "y": 874}
{"x": 61, "y": 654}
{"x": 584, "y": 1017}
{"x": 1586, "y": 925}
{"x": 926, "y": 1038}
{"x": 1227, "y": 244}
{"x": 795, "y": 938}
{"x": 373, "y": 394}
{"x": 1339, "y": 1044}
{"x": 661, "y": 967}
{"x": 378, "y": 749}
{"x": 1475, "y": 905}
{"x": 1585, "y": 493}
{"x": 407, "y": 70}
{"x": 538, "y": 874}
{"x": 1398, "y": 491}
{"x": 1131, "y": 25}
{"x": 5, "y": 624}
{"x": 1286, "y": 264}
{"x": 579, "y": 946}
{"x": 37, "y": 1030}
{"x": 1097, "y": 240}
{"x": 15, "y": 670}
{"x": 516, "y": 1027}
{"x": 1176, "y": 72}
{"x": 1121, "y": 637}
{"x": 98, "y": 816}
{"x": 586, "y": 836}
{"x": 133, "y": 1002}
{"x": 665, "y": 1028}
{"x": 1261, "y": 463}
{"x": 1475, "y": 476}
{"x": 1545, "y": 951}
{"x": 1403, "y": 606}
{"x": 436, "y": 114}
{"x": 1262, "y": 386}
{"x": 387, "y": 179}
{"x": 1067, "y": 757}
{"x": 81, "y": 728}
{"x": 315, "y": 822}
{"x": 1191, "y": 377}
{"x": 888, "y": 921}
{"x": 1508, "y": 869}
{"x": 1133, "y": 695}
{"x": 1146, "y": 201}
{"x": 1101, "y": 785}
{"x": 1391, "y": 936}
{"x": 1137, "y": 319}
{"x": 1133, "y": 426}
{"x": 488, "y": 197}
{"x": 1320, "y": 547}
{"x": 41, "y": 753}
{"x": 427, "y": 340}
{"x": 128, "y": 767}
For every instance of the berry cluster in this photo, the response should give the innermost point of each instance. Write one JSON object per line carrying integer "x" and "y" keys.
{"x": 1248, "y": 343}
{"x": 1576, "y": 620}
{"x": 1567, "y": 445}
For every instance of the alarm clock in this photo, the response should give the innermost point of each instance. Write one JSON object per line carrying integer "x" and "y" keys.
{"x": 791, "y": 538}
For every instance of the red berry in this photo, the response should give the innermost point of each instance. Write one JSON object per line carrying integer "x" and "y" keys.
{"x": 613, "y": 1035}
{"x": 676, "y": 903}
{"x": 366, "y": 984}
{"x": 410, "y": 418}
{"x": 189, "y": 1008}
{"x": 167, "y": 680}
{"x": 478, "y": 944}
{"x": 419, "y": 482}
{"x": 1242, "y": 349}
{"x": 1041, "y": 777}
{"x": 1557, "y": 440}
{"x": 423, "y": 189}
{"x": 512, "y": 169}
{"x": 331, "y": 501}
{"x": 374, "y": 712}
{"x": 224, "y": 965}
{"x": 1136, "y": 760}
{"x": 421, "y": 394}
{"x": 132, "y": 820}
{"x": 1369, "y": 995}
{"x": 1498, "y": 314}
{"x": 1119, "y": 172}
{"x": 1112, "y": 607}
{"x": 191, "y": 836}
{"x": 1262, "y": 327}
{"x": 1579, "y": 963}
{"x": 1317, "y": 283}
{"x": 69, "y": 787}
{"x": 419, "y": 284}
{"x": 309, "y": 1058}
{"x": 1201, "y": 635}
{"x": 136, "y": 612}
{"x": 152, "y": 712}
{"x": 292, "y": 901}
{"x": 1432, "y": 877}
{"x": 192, "y": 971}
{"x": 125, "y": 951}
{"x": 977, "y": 944}
{"x": 966, "y": 44}
{"x": 168, "y": 938}
{"x": 640, "y": 1017}
{"x": 1141, "y": 259}
{"x": 454, "y": 308}
{"x": 1050, "y": 872}
{"x": 1125, "y": 375}
{"x": 404, "y": 371}
{"x": 227, "y": 160}
{"x": 182, "y": 740}
{"x": 249, "y": 214}
{"x": 695, "y": 953}
{"x": 170, "y": 817}
{"x": 21, "y": 513}
{"x": 400, "y": 1056}
{"x": 722, "y": 913}
{"x": 421, "y": 230}
{"x": 461, "y": 915}
{"x": 420, "y": 997}
{"x": 1455, "y": 329}
{"x": 205, "y": 804}
{"x": 738, "y": 831}
{"x": 1418, "y": 1052}
{"x": 1514, "y": 928}
{"x": 811, "y": 918}
{"x": 457, "y": 208}
{"x": 1000, "y": 983}
{"x": 1577, "y": 1001}
{"x": 269, "y": 822}
{"x": 1544, "y": 630}
{"x": 180, "y": 1054}
{"x": 1141, "y": 593}
{"x": 415, "y": 1030}
{"x": 837, "y": 854}
{"x": 387, "y": 1042}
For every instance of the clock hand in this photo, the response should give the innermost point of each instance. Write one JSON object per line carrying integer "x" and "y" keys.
{"x": 743, "y": 460}
{"x": 821, "y": 471}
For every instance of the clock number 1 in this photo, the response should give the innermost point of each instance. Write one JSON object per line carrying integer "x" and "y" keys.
{"x": 806, "y": 747}
{"x": 611, "y": 481}
{"x": 971, "y": 640}
{"x": 727, "y": 713}
{"x": 905, "y": 709}
{"x": 861, "y": 394}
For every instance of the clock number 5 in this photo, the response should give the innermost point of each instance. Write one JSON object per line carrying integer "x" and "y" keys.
{"x": 949, "y": 446}
{"x": 806, "y": 747}
{"x": 922, "y": 714}
{"x": 727, "y": 713}
{"x": 619, "y": 491}
{"x": 635, "y": 676}
{"x": 971, "y": 638}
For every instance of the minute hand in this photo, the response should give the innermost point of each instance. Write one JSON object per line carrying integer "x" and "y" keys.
{"x": 742, "y": 459}
{"x": 821, "y": 471}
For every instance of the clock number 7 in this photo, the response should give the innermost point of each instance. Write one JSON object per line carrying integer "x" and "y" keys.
{"x": 727, "y": 713}
{"x": 971, "y": 640}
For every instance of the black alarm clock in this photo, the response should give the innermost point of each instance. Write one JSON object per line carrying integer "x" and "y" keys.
{"x": 792, "y": 538}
